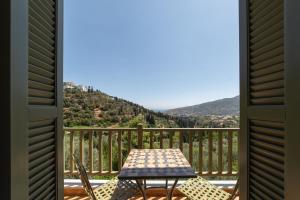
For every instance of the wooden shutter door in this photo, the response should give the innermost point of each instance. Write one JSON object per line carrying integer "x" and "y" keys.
{"x": 44, "y": 99}
{"x": 262, "y": 99}
{"x": 270, "y": 103}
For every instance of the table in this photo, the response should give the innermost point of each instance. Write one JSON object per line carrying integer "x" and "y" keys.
{"x": 143, "y": 164}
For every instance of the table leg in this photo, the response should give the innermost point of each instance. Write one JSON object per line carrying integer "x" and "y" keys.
{"x": 139, "y": 184}
{"x": 166, "y": 183}
{"x": 170, "y": 194}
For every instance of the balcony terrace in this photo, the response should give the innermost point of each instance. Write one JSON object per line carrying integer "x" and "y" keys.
{"x": 212, "y": 152}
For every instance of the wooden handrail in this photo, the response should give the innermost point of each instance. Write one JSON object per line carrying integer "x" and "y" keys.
{"x": 210, "y": 151}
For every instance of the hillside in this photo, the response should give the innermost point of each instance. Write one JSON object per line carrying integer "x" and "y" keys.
{"x": 84, "y": 106}
{"x": 222, "y": 107}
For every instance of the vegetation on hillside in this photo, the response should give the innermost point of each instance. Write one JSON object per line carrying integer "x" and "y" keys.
{"x": 97, "y": 109}
{"x": 94, "y": 108}
{"x": 221, "y": 107}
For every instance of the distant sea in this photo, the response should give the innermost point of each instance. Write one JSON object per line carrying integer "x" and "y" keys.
{"x": 159, "y": 110}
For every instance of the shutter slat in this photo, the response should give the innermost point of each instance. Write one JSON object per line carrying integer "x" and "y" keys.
{"x": 271, "y": 155}
{"x": 47, "y": 52}
{"x": 265, "y": 23}
{"x": 46, "y": 60}
{"x": 34, "y": 30}
{"x": 267, "y": 13}
{"x": 40, "y": 145}
{"x": 41, "y": 174}
{"x": 266, "y": 190}
{"x": 42, "y": 9}
{"x": 268, "y": 176}
{"x": 37, "y": 162}
{"x": 41, "y": 129}
{"x": 41, "y": 72}
{"x": 268, "y": 63}
{"x": 272, "y": 187}
{"x": 267, "y": 55}
{"x": 43, "y": 21}
{"x": 269, "y": 101}
{"x": 268, "y": 78}
{"x": 40, "y": 101}
{"x": 35, "y": 185}
{"x": 41, "y": 152}
{"x": 274, "y": 172}
{"x": 266, "y": 40}
{"x": 268, "y": 124}
{"x": 266, "y": 48}
{"x": 268, "y": 93}
{"x": 40, "y": 79}
{"x": 268, "y": 131}
{"x": 41, "y": 27}
{"x": 40, "y": 138}
{"x": 40, "y": 93}
{"x": 41, "y": 167}
{"x": 268, "y": 146}
{"x": 40, "y": 86}
{"x": 267, "y": 70}
{"x": 50, "y": 184}
{"x": 36, "y": 39}
{"x": 268, "y": 139}
{"x": 268, "y": 85}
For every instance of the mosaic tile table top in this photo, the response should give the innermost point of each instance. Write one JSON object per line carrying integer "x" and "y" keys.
{"x": 155, "y": 164}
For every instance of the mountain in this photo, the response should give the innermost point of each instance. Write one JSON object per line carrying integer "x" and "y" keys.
{"x": 84, "y": 106}
{"x": 222, "y": 107}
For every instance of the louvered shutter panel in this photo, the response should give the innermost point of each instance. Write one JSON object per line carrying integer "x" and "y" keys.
{"x": 44, "y": 100}
{"x": 263, "y": 110}
{"x": 41, "y": 66}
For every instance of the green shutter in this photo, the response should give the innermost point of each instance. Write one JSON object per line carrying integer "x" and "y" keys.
{"x": 263, "y": 109}
{"x": 44, "y": 101}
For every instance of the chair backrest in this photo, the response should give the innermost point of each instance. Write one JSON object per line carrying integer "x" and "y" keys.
{"x": 84, "y": 178}
{"x": 235, "y": 191}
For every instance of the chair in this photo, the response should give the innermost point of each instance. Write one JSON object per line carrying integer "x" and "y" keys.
{"x": 112, "y": 190}
{"x": 200, "y": 189}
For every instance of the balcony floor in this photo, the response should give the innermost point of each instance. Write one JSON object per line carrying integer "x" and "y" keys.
{"x": 134, "y": 198}
{"x": 77, "y": 193}
{"x": 152, "y": 194}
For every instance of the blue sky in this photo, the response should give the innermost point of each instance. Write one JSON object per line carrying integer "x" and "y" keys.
{"x": 158, "y": 53}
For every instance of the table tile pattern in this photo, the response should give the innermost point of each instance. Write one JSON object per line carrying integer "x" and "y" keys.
{"x": 156, "y": 163}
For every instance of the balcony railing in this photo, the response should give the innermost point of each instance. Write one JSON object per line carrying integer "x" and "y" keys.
{"x": 210, "y": 151}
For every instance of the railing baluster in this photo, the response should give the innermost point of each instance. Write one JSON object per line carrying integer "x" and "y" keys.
{"x": 71, "y": 152}
{"x": 210, "y": 151}
{"x": 91, "y": 161}
{"x": 151, "y": 139}
{"x": 120, "y": 163}
{"x": 161, "y": 141}
{"x": 81, "y": 143}
{"x": 140, "y": 136}
{"x": 220, "y": 152}
{"x": 110, "y": 151}
{"x": 229, "y": 152}
{"x": 171, "y": 134}
{"x": 200, "y": 153}
{"x": 181, "y": 141}
{"x": 129, "y": 141}
{"x": 100, "y": 151}
{"x": 191, "y": 148}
